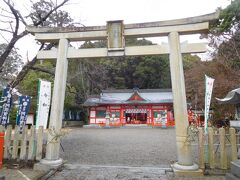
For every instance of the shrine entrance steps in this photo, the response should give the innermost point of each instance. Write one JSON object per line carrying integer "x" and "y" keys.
{"x": 136, "y": 126}
{"x": 124, "y": 126}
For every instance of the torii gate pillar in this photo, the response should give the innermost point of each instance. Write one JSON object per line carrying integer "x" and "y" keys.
{"x": 52, "y": 152}
{"x": 184, "y": 153}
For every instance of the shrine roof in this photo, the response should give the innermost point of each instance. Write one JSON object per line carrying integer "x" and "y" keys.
{"x": 125, "y": 96}
{"x": 233, "y": 97}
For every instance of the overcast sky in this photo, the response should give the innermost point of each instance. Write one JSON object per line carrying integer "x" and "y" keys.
{"x": 97, "y": 12}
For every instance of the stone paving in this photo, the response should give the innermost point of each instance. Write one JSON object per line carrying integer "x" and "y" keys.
{"x": 72, "y": 172}
{"x": 91, "y": 172}
{"x": 21, "y": 174}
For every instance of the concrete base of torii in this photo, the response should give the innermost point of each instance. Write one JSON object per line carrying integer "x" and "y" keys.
{"x": 46, "y": 165}
{"x": 181, "y": 170}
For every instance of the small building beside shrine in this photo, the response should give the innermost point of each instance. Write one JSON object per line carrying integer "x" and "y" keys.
{"x": 153, "y": 107}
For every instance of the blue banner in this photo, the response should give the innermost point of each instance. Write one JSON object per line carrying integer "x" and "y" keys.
{"x": 23, "y": 108}
{"x": 6, "y": 106}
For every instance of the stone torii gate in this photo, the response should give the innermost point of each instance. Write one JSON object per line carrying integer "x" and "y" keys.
{"x": 115, "y": 33}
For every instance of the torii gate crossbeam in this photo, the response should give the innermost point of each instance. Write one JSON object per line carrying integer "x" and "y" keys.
{"x": 115, "y": 33}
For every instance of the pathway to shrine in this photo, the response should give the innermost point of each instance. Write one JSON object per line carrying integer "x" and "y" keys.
{"x": 120, "y": 146}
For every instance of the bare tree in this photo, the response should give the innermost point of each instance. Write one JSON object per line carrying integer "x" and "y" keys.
{"x": 16, "y": 17}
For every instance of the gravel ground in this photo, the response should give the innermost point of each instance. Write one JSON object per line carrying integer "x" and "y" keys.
{"x": 121, "y": 154}
{"x": 130, "y": 147}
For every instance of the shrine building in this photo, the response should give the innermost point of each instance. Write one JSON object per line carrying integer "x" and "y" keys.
{"x": 153, "y": 107}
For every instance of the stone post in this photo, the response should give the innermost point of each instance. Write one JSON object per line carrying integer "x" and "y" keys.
{"x": 184, "y": 153}
{"x": 56, "y": 115}
{"x": 107, "y": 120}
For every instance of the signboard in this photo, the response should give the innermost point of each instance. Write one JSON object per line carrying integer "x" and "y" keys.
{"x": 44, "y": 98}
{"x": 30, "y": 119}
{"x": 136, "y": 111}
{"x": 23, "y": 108}
{"x": 7, "y": 98}
{"x": 235, "y": 124}
{"x": 115, "y": 35}
{"x": 92, "y": 113}
{"x": 160, "y": 117}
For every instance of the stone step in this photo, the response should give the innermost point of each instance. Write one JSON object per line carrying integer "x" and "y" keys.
{"x": 86, "y": 166}
{"x": 91, "y": 126}
{"x": 235, "y": 168}
{"x": 136, "y": 126}
{"x": 73, "y": 123}
{"x": 230, "y": 176}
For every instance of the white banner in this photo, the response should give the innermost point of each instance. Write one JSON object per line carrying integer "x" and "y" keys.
{"x": 208, "y": 94}
{"x": 44, "y": 99}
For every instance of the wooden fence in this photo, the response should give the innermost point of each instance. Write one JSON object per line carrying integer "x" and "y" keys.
{"x": 218, "y": 148}
{"x": 221, "y": 147}
{"x": 24, "y": 145}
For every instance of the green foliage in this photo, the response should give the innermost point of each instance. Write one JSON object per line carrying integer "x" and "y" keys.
{"x": 189, "y": 60}
{"x": 69, "y": 100}
{"x": 142, "y": 72}
{"x": 57, "y": 19}
{"x": 13, "y": 116}
{"x": 90, "y": 76}
{"x": 137, "y": 42}
{"x": 153, "y": 72}
{"x": 229, "y": 17}
{"x": 29, "y": 86}
{"x": 225, "y": 36}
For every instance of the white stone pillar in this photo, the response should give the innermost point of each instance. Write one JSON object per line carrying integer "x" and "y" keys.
{"x": 184, "y": 153}
{"x": 56, "y": 115}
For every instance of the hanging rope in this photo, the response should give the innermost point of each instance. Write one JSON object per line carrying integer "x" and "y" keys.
{"x": 56, "y": 135}
{"x": 192, "y": 133}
